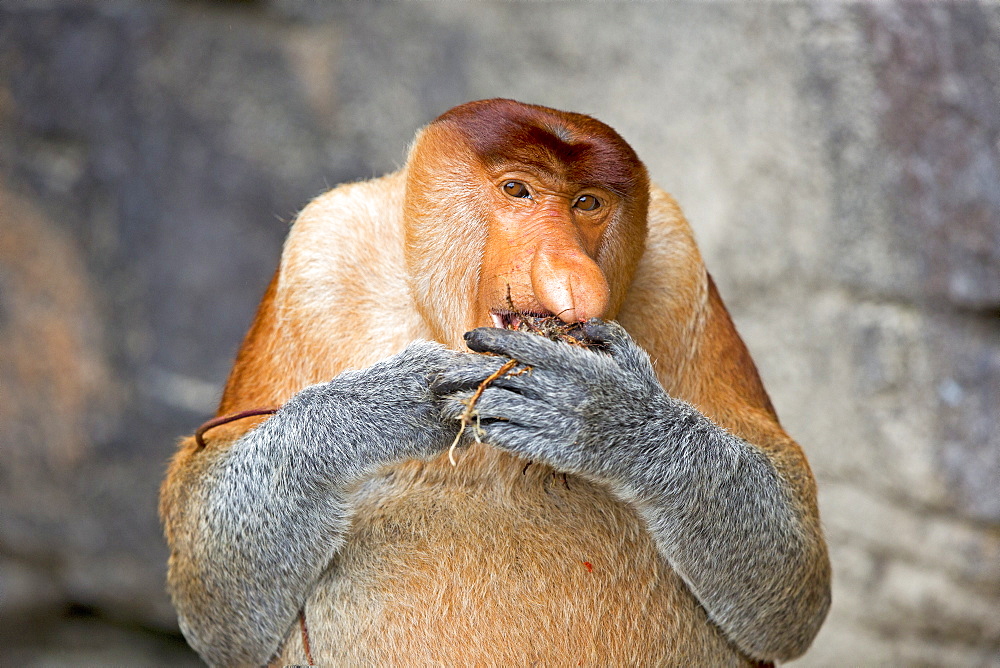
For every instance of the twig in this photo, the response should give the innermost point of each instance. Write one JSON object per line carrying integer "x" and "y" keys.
{"x": 470, "y": 407}
{"x": 199, "y": 435}
{"x": 305, "y": 637}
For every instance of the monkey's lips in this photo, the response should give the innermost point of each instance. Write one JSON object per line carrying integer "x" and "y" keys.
{"x": 507, "y": 319}
{"x": 543, "y": 324}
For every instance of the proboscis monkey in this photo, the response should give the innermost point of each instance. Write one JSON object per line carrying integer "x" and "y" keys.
{"x": 682, "y": 528}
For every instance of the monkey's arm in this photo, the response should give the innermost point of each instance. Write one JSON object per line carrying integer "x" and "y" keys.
{"x": 251, "y": 527}
{"x": 739, "y": 528}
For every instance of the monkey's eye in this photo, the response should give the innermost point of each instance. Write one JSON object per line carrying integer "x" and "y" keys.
{"x": 587, "y": 203}
{"x": 516, "y": 189}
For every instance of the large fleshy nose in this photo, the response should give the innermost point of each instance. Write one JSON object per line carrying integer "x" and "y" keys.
{"x": 568, "y": 282}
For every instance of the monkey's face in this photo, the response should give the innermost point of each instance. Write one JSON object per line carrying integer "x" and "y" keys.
{"x": 511, "y": 200}
{"x": 542, "y": 247}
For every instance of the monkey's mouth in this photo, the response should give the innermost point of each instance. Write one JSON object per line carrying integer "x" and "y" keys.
{"x": 544, "y": 324}
{"x": 507, "y": 319}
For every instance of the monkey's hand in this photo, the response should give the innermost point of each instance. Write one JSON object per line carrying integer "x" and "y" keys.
{"x": 576, "y": 410}
{"x": 741, "y": 535}
{"x": 251, "y": 527}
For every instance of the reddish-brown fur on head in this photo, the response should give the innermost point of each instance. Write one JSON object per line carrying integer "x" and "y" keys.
{"x": 586, "y": 150}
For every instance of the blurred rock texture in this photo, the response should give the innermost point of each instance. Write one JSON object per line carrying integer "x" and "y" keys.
{"x": 840, "y": 164}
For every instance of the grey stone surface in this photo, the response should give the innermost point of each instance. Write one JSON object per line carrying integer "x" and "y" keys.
{"x": 840, "y": 164}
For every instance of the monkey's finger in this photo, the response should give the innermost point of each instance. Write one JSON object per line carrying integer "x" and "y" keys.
{"x": 499, "y": 404}
{"x": 418, "y": 364}
{"x": 456, "y": 406}
{"x": 534, "y": 444}
{"x": 605, "y": 332}
{"x": 515, "y": 438}
{"x": 526, "y": 381}
{"x": 466, "y": 374}
{"x": 619, "y": 344}
{"x": 530, "y": 349}
{"x": 610, "y": 335}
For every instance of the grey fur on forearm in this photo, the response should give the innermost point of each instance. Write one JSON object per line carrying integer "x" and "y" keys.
{"x": 725, "y": 520}
{"x": 263, "y": 518}
{"x": 267, "y": 524}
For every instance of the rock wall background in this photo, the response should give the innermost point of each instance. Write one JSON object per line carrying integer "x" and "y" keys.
{"x": 839, "y": 162}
